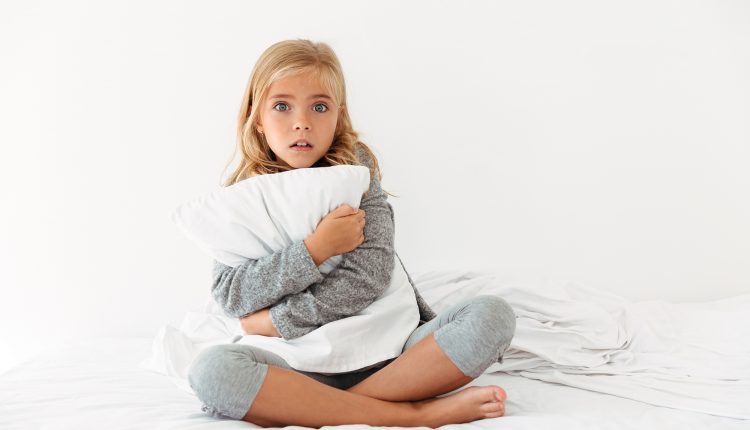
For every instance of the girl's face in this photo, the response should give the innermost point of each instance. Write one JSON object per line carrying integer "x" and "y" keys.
{"x": 298, "y": 107}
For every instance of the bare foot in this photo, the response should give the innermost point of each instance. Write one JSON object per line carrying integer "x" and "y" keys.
{"x": 469, "y": 404}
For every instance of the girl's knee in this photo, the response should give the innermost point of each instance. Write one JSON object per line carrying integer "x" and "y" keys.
{"x": 213, "y": 366}
{"x": 205, "y": 364}
{"x": 498, "y": 313}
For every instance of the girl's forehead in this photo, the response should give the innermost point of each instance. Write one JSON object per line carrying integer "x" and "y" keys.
{"x": 301, "y": 84}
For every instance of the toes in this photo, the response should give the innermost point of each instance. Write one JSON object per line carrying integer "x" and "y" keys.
{"x": 491, "y": 412}
{"x": 500, "y": 392}
{"x": 495, "y": 414}
{"x": 491, "y": 407}
{"x": 492, "y": 393}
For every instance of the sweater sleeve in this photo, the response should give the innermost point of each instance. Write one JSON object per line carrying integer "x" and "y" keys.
{"x": 359, "y": 279}
{"x": 257, "y": 284}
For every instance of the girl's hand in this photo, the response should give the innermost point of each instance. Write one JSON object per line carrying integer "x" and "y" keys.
{"x": 259, "y": 323}
{"x": 342, "y": 230}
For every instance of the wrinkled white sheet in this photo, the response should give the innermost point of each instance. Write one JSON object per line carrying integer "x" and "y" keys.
{"x": 688, "y": 356}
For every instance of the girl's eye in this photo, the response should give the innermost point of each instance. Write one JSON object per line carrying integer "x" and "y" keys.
{"x": 325, "y": 108}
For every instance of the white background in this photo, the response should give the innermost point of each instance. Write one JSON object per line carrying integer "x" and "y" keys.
{"x": 605, "y": 143}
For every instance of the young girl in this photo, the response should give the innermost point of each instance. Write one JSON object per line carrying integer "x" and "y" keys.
{"x": 296, "y": 96}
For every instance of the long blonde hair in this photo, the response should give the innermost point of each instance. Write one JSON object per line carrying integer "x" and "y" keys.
{"x": 282, "y": 59}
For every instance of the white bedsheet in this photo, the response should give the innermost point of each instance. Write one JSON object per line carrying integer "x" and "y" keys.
{"x": 693, "y": 356}
{"x": 97, "y": 384}
{"x": 690, "y": 356}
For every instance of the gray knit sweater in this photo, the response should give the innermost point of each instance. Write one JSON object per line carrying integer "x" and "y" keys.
{"x": 301, "y": 298}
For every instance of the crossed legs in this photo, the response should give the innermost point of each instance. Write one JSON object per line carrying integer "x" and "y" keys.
{"x": 442, "y": 355}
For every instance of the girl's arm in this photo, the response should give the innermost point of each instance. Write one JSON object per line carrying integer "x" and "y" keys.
{"x": 358, "y": 280}
{"x": 259, "y": 323}
{"x": 257, "y": 284}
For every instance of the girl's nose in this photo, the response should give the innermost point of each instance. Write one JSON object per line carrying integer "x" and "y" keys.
{"x": 302, "y": 123}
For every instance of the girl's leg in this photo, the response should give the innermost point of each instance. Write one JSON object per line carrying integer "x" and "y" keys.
{"x": 244, "y": 382}
{"x": 248, "y": 383}
{"x": 447, "y": 352}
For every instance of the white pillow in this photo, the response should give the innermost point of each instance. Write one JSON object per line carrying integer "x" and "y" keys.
{"x": 262, "y": 214}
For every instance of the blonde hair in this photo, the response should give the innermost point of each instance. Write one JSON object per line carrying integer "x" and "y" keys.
{"x": 282, "y": 59}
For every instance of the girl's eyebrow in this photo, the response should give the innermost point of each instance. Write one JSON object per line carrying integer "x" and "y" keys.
{"x": 289, "y": 96}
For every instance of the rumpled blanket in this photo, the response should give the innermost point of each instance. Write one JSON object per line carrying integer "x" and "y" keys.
{"x": 689, "y": 356}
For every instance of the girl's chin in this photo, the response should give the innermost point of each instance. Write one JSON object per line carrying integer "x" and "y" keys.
{"x": 299, "y": 164}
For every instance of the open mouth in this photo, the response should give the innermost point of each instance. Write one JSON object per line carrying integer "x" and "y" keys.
{"x": 301, "y": 143}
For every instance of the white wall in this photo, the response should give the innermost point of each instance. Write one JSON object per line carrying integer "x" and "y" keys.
{"x": 601, "y": 142}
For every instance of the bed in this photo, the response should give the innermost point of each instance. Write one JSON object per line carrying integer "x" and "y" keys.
{"x": 580, "y": 359}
